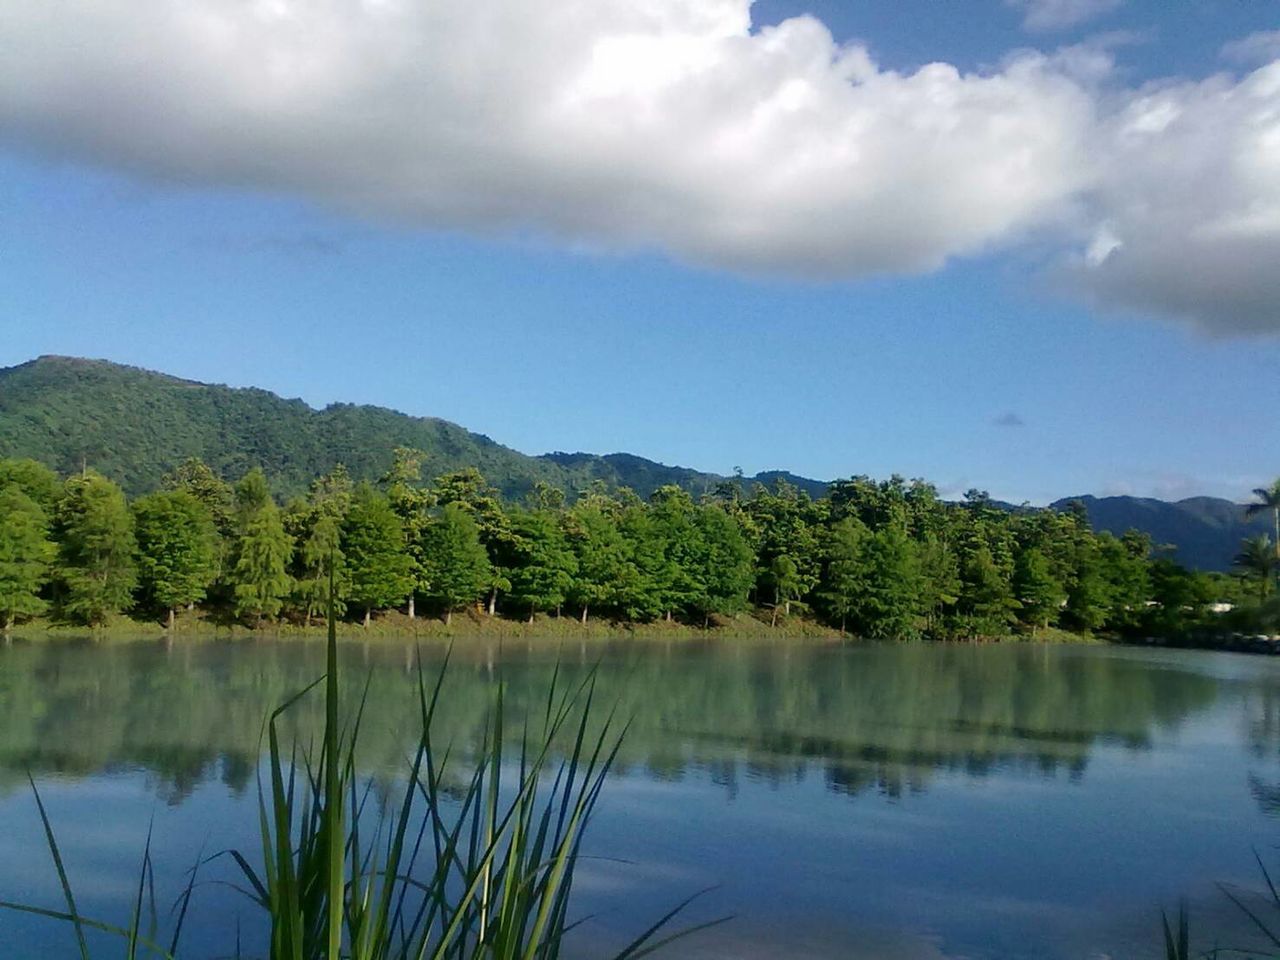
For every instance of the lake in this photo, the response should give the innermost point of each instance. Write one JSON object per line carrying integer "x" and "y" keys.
{"x": 889, "y": 801}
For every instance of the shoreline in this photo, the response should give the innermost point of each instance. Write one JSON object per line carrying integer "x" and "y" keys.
{"x": 399, "y": 628}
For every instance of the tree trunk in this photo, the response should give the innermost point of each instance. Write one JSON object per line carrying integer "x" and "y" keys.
{"x": 774, "y": 622}
{"x": 558, "y": 610}
{"x": 172, "y": 615}
{"x": 532, "y": 611}
{"x": 493, "y": 600}
{"x": 413, "y": 615}
{"x": 584, "y": 614}
{"x": 448, "y": 616}
{"x": 842, "y": 630}
{"x": 668, "y": 616}
{"x": 787, "y": 608}
{"x": 368, "y": 615}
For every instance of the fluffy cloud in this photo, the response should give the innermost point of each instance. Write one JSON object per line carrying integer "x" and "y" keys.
{"x": 1188, "y": 212}
{"x": 1040, "y": 15}
{"x": 670, "y": 125}
{"x": 665, "y": 124}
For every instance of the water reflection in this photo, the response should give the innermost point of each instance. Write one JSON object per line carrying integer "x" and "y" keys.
{"x": 877, "y": 801}
{"x": 887, "y": 719}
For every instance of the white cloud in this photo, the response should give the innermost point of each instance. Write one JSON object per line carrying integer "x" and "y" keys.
{"x": 1256, "y": 48}
{"x": 672, "y": 125}
{"x": 1043, "y": 15}
{"x": 1188, "y": 208}
{"x": 665, "y": 124}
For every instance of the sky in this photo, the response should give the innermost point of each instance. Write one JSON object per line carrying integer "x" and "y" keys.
{"x": 1030, "y": 246}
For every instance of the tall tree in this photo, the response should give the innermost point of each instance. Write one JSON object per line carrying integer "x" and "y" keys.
{"x": 455, "y": 562}
{"x": 542, "y": 563}
{"x": 986, "y": 599}
{"x": 725, "y": 561}
{"x": 1267, "y": 500}
{"x": 96, "y": 565}
{"x": 1038, "y": 592}
{"x": 1257, "y": 561}
{"x": 888, "y": 608}
{"x": 403, "y": 486}
{"x": 783, "y": 578}
{"x": 263, "y": 549}
{"x": 381, "y": 570}
{"x": 843, "y": 577}
{"x": 601, "y": 554}
{"x": 25, "y": 555}
{"x": 177, "y": 549}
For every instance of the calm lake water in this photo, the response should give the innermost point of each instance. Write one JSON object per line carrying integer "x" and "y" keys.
{"x": 871, "y": 801}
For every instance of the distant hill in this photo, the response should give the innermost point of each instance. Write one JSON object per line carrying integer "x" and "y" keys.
{"x": 134, "y": 425}
{"x": 1206, "y": 530}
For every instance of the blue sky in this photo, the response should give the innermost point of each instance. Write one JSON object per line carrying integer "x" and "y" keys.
{"x": 558, "y": 299}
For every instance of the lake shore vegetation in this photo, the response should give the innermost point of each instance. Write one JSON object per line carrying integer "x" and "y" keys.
{"x": 883, "y": 560}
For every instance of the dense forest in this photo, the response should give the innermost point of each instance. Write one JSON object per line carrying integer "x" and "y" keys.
{"x": 882, "y": 559}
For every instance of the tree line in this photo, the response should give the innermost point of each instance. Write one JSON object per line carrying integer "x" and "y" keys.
{"x": 887, "y": 559}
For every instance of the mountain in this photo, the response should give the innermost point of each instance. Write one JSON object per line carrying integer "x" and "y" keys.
{"x": 134, "y": 425}
{"x": 1206, "y": 530}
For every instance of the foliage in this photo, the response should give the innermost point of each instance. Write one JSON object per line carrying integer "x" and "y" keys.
{"x": 886, "y": 559}
{"x": 260, "y": 577}
{"x": 25, "y": 555}
{"x": 379, "y": 565}
{"x": 177, "y": 548}
{"x": 455, "y": 563}
{"x": 94, "y": 531}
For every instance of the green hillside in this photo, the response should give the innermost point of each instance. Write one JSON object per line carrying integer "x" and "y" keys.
{"x": 134, "y": 425}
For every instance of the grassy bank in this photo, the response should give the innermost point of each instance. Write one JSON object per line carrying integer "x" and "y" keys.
{"x": 398, "y": 627}
{"x": 479, "y": 627}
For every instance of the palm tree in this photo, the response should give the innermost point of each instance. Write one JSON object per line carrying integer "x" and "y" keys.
{"x": 1257, "y": 558}
{"x": 1268, "y": 499}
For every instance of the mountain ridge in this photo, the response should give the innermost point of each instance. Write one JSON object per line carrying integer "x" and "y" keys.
{"x": 134, "y": 424}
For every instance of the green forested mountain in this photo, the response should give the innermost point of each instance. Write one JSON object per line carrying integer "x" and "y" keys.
{"x": 1205, "y": 530}
{"x": 134, "y": 425}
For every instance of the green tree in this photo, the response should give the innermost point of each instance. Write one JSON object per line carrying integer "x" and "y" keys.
{"x": 195, "y": 477}
{"x": 25, "y": 555}
{"x": 379, "y": 565}
{"x": 35, "y": 480}
{"x": 94, "y": 530}
{"x": 1268, "y": 500}
{"x": 1039, "y": 594}
{"x": 986, "y": 601}
{"x": 177, "y": 549}
{"x": 263, "y": 550}
{"x": 315, "y": 524}
{"x": 601, "y": 557}
{"x": 889, "y": 605}
{"x": 1257, "y": 561}
{"x": 542, "y": 564}
{"x": 323, "y": 566}
{"x": 843, "y": 578}
{"x": 403, "y": 486}
{"x": 456, "y": 563}
{"x": 939, "y": 580}
{"x": 783, "y": 578}
{"x": 726, "y": 564}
